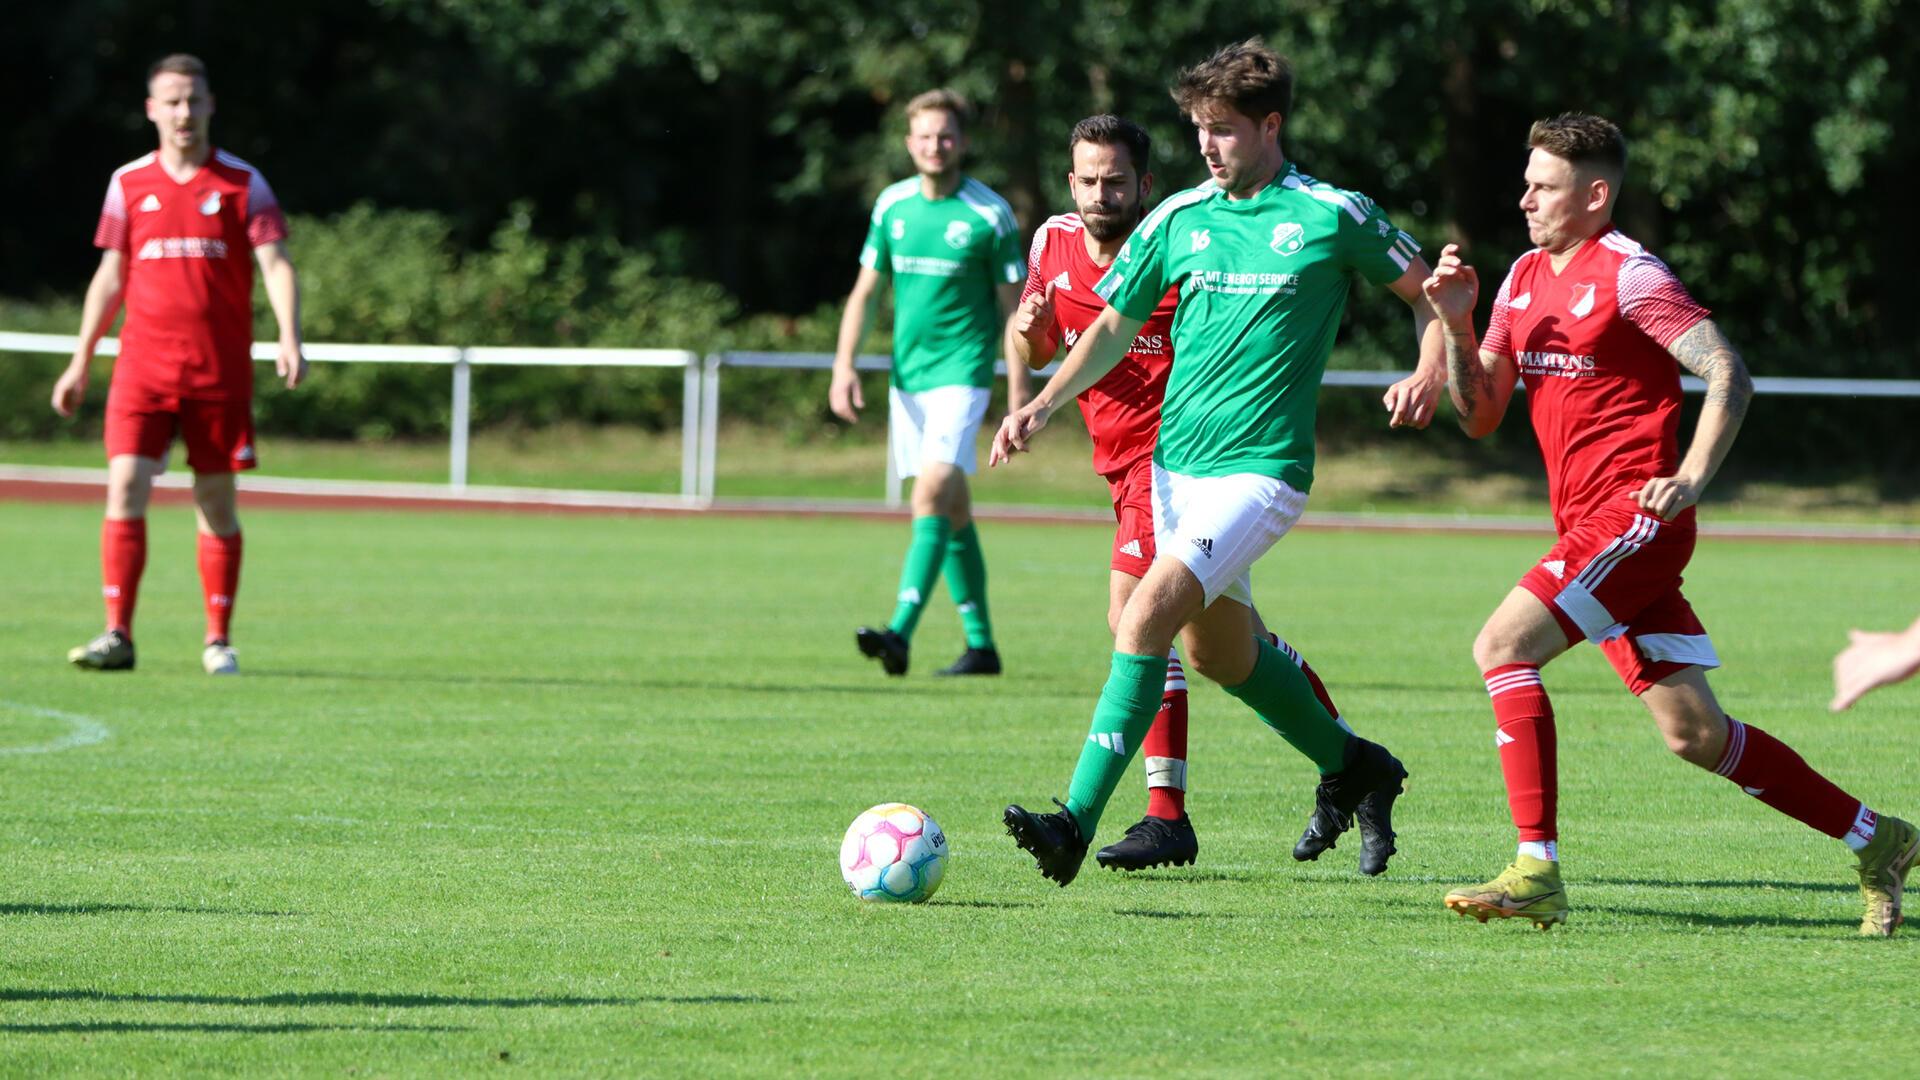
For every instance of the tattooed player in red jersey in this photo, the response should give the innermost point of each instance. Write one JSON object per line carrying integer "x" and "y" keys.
{"x": 179, "y": 234}
{"x": 1109, "y": 182}
{"x": 1599, "y": 329}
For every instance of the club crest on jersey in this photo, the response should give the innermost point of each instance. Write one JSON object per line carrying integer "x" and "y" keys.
{"x": 212, "y": 205}
{"x": 1288, "y": 238}
{"x": 899, "y": 229}
{"x": 1201, "y": 239}
{"x": 1582, "y": 304}
{"x": 959, "y": 234}
{"x": 150, "y": 203}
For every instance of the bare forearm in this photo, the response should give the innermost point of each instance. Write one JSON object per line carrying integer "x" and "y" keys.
{"x": 97, "y": 312}
{"x": 283, "y": 295}
{"x": 854, "y": 322}
{"x": 1705, "y": 352}
{"x": 1098, "y": 350}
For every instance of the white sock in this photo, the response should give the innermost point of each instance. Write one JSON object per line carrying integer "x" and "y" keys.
{"x": 1865, "y": 823}
{"x": 1547, "y": 850}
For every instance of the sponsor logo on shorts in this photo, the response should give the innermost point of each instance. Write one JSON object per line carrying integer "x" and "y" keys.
{"x": 1132, "y": 547}
{"x": 1556, "y": 567}
{"x": 1288, "y": 238}
{"x": 212, "y": 205}
{"x": 245, "y": 453}
{"x": 1205, "y": 546}
{"x": 150, "y": 203}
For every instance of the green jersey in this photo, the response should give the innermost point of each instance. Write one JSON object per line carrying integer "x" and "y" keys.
{"x": 947, "y": 257}
{"x": 1263, "y": 282}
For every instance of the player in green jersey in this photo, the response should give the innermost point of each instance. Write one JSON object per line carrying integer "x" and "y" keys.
{"x": 1261, "y": 255}
{"x": 952, "y": 249}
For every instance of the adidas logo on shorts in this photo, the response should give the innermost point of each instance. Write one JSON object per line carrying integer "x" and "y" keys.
{"x": 1205, "y": 546}
{"x": 1132, "y": 547}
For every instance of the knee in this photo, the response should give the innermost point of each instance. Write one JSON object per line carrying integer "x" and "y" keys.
{"x": 1221, "y": 662}
{"x": 1694, "y": 739}
{"x": 1491, "y": 649}
{"x": 1114, "y": 611}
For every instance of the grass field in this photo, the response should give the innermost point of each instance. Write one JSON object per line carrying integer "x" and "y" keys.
{"x": 564, "y": 795}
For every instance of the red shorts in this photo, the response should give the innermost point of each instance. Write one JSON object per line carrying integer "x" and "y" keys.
{"x": 1614, "y": 579}
{"x": 218, "y": 433}
{"x": 1132, "y": 492}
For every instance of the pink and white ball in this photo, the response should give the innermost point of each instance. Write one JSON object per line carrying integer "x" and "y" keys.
{"x": 893, "y": 853}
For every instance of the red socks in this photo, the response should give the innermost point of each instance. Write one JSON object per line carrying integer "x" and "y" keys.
{"x": 1770, "y": 770}
{"x": 1528, "y": 754}
{"x": 219, "y": 581}
{"x": 1165, "y": 748}
{"x": 1313, "y": 680}
{"x": 123, "y": 556}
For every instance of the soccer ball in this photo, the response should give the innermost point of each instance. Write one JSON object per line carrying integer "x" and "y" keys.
{"x": 893, "y": 853}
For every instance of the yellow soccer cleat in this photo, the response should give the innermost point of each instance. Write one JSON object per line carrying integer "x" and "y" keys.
{"x": 1528, "y": 888}
{"x": 1884, "y": 863}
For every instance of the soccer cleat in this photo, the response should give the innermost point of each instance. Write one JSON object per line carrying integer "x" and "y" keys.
{"x": 218, "y": 659}
{"x": 1153, "y": 841}
{"x": 885, "y": 646}
{"x": 111, "y": 651}
{"x": 1528, "y": 888}
{"x": 1363, "y": 791}
{"x": 974, "y": 662}
{"x": 1053, "y": 839}
{"x": 1884, "y": 863}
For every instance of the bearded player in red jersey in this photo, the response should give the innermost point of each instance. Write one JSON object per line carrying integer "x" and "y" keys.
{"x": 1598, "y": 330}
{"x": 1109, "y": 184}
{"x": 174, "y": 234}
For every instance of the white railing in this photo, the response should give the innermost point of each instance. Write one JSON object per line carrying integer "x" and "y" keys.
{"x": 700, "y": 387}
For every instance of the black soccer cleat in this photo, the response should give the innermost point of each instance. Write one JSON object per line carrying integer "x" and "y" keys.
{"x": 1363, "y": 791}
{"x": 1053, "y": 839}
{"x": 885, "y": 646}
{"x": 1153, "y": 841}
{"x": 974, "y": 662}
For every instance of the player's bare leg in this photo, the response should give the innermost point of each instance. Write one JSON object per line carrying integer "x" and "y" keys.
{"x": 216, "y": 507}
{"x": 1520, "y": 637}
{"x": 123, "y": 558}
{"x": 1164, "y": 836}
{"x": 1699, "y": 731}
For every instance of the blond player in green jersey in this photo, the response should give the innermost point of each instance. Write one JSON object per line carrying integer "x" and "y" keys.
{"x": 952, "y": 249}
{"x": 1262, "y": 256}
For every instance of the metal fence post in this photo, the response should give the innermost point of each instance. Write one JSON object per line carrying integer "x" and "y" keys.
{"x": 462, "y": 419}
{"x": 690, "y": 429}
{"x": 893, "y": 467}
{"x": 710, "y": 425}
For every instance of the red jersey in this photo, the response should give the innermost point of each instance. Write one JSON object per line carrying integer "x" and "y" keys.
{"x": 1591, "y": 345}
{"x": 1122, "y": 410}
{"x": 189, "y": 249}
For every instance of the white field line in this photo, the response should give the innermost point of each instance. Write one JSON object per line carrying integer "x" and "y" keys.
{"x": 563, "y": 498}
{"x": 82, "y": 730}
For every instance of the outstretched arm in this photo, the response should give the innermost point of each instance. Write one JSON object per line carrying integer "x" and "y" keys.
{"x": 1480, "y": 381}
{"x": 1410, "y": 402}
{"x": 1705, "y": 352}
{"x": 1874, "y": 659}
{"x": 1095, "y": 354}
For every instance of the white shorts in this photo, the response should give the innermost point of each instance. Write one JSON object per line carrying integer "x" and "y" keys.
{"x": 1219, "y": 526}
{"x": 941, "y": 424}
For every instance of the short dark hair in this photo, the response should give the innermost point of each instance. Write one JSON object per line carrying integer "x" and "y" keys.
{"x": 1107, "y": 129}
{"x": 942, "y": 100}
{"x": 1583, "y": 139}
{"x": 1249, "y": 76}
{"x": 178, "y": 64}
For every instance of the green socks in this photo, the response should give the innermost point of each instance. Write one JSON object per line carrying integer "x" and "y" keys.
{"x": 1127, "y": 706}
{"x": 1285, "y": 700}
{"x": 924, "y": 555}
{"x": 966, "y": 571}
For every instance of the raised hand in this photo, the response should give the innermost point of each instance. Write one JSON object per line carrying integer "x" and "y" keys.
{"x": 1033, "y": 319}
{"x": 1453, "y": 289}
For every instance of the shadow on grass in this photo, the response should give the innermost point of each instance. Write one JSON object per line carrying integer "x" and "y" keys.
{"x": 387, "y": 1001}
{"x": 1148, "y": 913}
{"x": 1729, "y": 883}
{"x": 982, "y": 903}
{"x": 1711, "y": 920}
{"x": 116, "y": 909}
{"x": 1188, "y": 877}
{"x": 110, "y": 1027}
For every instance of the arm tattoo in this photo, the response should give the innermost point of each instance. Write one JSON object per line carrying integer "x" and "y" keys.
{"x": 1472, "y": 382}
{"x": 1706, "y": 352}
